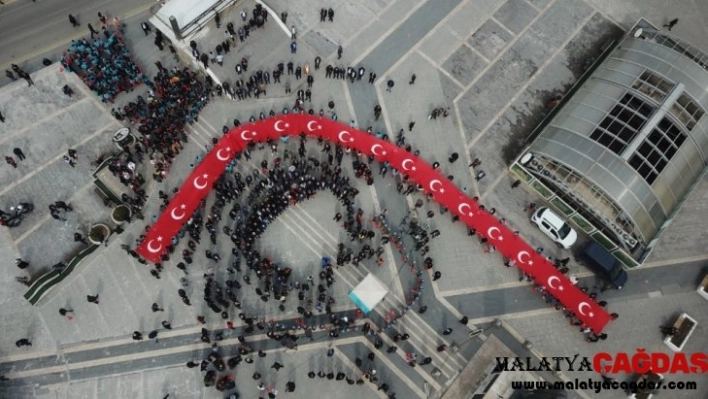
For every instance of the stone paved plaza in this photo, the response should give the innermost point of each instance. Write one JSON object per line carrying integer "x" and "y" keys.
{"x": 492, "y": 64}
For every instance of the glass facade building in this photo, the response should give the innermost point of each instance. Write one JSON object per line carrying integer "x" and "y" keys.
{"x": 626, "y": 147}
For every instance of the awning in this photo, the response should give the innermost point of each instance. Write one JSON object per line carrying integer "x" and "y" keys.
{"x": 368, "y": 293}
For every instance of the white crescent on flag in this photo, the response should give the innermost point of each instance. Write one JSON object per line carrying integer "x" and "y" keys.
{"x": 581, "y": 306}
{"x": 405, "y": 161}
{"x": 374, "y": 147}
{"x": 494, "y": 228}
{"x": 246, "y": 137}
{"x": 221, "y": 157}
{"x": 433, "y": 184}
{"x": 154, "y": 250}
{"x": 311, "y": 129}
{"x": 201, "y": 186}
{"x": 521, "y": 259}
{"x": 275, "y": 126}
{"x": 464, "y": 205}
{"x": 175, "y": 216}
{"x": 551, "y": 280}
{"x": 345, "y": 133}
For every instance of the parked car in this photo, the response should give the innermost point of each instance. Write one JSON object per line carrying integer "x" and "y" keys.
{"x": 554, "y": 227}
{"x": 596, "y": 258}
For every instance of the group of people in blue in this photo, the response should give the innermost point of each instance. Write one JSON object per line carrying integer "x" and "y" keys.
{"x": 104, "y": 64}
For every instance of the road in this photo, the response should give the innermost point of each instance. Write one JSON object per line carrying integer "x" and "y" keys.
{"x": 28, "y": 30}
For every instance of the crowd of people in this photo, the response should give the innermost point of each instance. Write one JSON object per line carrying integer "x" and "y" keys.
{"x": 175, "y": 99}
{"x": 257, "y": 20}
{"x": 104, "y": 64}
{"x": 255, "y": 199}
{"x": 124, "y": 167}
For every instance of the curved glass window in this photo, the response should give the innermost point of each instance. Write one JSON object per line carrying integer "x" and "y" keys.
{"x": 622, "y": 123}
{"x": 655, "y": 152}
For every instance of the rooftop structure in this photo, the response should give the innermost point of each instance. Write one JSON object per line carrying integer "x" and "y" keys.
{"x": 622, "y": 152}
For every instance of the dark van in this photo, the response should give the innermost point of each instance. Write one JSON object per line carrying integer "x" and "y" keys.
{"x": 596, "y": 258}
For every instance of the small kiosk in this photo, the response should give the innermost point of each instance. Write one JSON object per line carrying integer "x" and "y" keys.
{"x": 368, "y": 293}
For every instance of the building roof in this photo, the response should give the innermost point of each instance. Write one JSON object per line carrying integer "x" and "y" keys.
{"x": 633, "y": 139}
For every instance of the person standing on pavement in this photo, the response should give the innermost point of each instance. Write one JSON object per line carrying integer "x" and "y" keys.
{"x": 11, "y": 161}
{"x": 54, "y": 212}
{"x": 71, "y": 161}
{"x": 26, "y": 76}
{"x": 23, "y": 342}
{"x": 377, "y": 112}
{"x": 19, "y": 153}
{"x": 73, "y": 21}
{"x": 146, "y": 28}
{"x": 671, "y": 24}
{"x": 63, "y": 205}
{"x": 79, "y": 238}
{"x": 92, "y": 30}
{"x": 21, "y": 263}
{"x": 92, "y": 298}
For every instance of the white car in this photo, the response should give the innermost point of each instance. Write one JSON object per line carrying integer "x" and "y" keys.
{"x": 553, "y": 226}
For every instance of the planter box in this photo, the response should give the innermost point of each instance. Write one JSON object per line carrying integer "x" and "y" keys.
{"x": 703, "y": 288}
{"x": 106, "y": 233}
{"x": 121, "y": 214}
{"x": 685, "y": 325}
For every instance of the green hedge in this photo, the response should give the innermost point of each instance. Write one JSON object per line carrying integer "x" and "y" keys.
{"x": 54, "y": 277}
